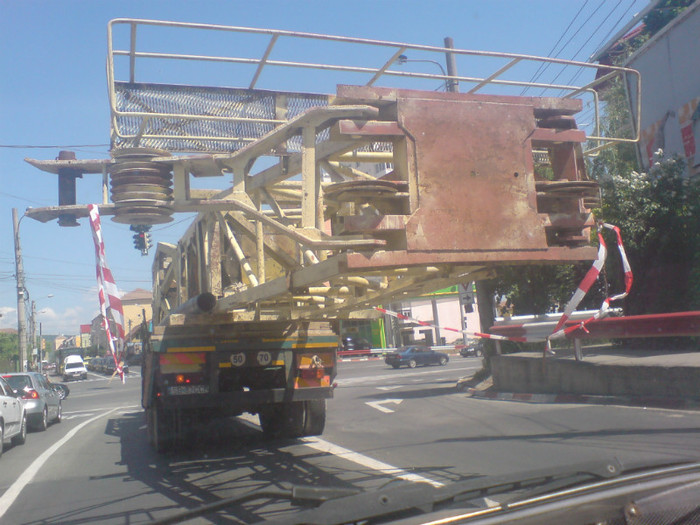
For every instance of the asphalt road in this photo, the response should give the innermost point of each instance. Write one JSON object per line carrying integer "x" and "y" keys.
{"x": 384, "y": 424}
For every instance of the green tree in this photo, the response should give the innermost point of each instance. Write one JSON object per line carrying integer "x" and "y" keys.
{"x": 659, "y": 215}
{"x": 9, "y": 348}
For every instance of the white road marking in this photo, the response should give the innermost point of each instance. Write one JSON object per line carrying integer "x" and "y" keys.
{"x": 344, "y": 453}
{"x": 329, "y": 448}
{"x": 406, "y": 375}
{"x": 378, "y": 405}
{"x": 11, "y": 494}
{"x": 75, "y": 416}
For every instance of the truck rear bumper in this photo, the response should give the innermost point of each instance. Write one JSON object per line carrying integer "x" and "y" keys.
{"x": 247, "y": 401}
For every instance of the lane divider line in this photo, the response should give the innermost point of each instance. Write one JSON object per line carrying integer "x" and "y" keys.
{"x": 329, "y": 448}
{"x": 345, "y": 453}
{"x": 11, "y": 494}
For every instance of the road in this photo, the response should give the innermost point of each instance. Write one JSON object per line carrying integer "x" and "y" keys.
{"x": 96, "y": 466}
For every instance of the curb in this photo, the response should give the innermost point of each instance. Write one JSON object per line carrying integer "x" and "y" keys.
{"x": 635, "y": 401}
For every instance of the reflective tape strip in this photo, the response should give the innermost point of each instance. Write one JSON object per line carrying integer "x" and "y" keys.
{"x": 178, "y": 349}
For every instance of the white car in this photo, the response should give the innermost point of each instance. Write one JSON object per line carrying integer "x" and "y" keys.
{"x": 13, "y": 419}
{"x": 74, "y": 368}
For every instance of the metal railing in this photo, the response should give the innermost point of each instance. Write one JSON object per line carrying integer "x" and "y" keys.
{"x": 134, "y": 121}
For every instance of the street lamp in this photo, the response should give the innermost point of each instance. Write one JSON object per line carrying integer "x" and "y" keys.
{"x": 402, "y": 59}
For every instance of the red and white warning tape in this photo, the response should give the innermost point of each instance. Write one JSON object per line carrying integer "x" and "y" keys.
{"x": 108, "y": 293}
{"x": 465, "y": 332}
{"x": 588, "y": 281}
{"x": 560, "y": 330}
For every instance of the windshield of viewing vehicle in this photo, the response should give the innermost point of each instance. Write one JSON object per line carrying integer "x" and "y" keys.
{"x": 364, "y": 260}
{"x": 19, "y": 382}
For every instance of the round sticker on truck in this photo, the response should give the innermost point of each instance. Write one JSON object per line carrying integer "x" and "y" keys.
{"x": 264, "y": 358}
{"x": 238, "y": 359}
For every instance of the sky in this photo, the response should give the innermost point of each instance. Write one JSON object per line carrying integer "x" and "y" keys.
{"x": 53, "y": 96}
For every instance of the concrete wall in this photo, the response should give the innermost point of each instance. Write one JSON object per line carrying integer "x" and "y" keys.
{"x": 532, "y": 374}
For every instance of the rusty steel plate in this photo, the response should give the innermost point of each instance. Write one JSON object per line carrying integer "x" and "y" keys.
{"x": 476, "y": 187}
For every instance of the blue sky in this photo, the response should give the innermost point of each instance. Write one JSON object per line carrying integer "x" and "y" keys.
{"x": 53, "y": 93}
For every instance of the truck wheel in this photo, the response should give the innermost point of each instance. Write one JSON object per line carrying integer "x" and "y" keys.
{"x": 283, "y": 420}
{"x": 315, "y": 417}
{"x": 161, "y": 429}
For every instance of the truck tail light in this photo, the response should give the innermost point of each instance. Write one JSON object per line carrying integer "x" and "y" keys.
{"x": 314, "y": 370}
{"x": 312, "y": 373}
{"x": 185, "y": 379}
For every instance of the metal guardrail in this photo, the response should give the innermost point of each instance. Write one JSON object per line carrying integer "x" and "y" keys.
{"x": 151, "y": 115}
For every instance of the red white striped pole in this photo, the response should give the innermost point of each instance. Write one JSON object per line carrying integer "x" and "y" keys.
{"x": 108, "y": 293}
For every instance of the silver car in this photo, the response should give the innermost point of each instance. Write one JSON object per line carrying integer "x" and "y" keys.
{"x": 13, "y": 419}
{"x": 41, "y": 402}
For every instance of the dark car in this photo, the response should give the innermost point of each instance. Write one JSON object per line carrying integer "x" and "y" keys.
{"x": 350, "y": 345}
{"x": 412, "y": 356}
{"x": 473, "y": 349}
{"x": 41, "y": 402}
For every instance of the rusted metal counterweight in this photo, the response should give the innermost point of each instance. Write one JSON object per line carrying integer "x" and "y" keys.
{"x": 140, "y": 189}
{"x": 475, "y": 192}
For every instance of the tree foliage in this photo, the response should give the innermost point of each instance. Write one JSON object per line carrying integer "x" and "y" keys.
{"x": 659, "y": 215}
{"x": 9, "y": 347}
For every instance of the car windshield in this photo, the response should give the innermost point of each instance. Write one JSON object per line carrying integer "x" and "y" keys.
{"x": 365, "y": 259}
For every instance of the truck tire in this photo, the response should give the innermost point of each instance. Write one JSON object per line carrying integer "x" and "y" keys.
{"x": 161, "y": 429}
{"x": 315, "y": 417}
{"x": 283, "y": 420}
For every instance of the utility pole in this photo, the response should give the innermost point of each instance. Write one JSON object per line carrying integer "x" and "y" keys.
{"x": 451, "y": 85}
{"x": 32, "y": 331}
{"x": 484, "y": 289}
{"x": 21, "y": 291}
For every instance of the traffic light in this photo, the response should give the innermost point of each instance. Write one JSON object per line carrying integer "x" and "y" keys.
{"x": 142, "y": 239}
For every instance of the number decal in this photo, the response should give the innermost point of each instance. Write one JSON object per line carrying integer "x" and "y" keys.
{"x": 238, "y": 359}
{"x": 264, "y": 358}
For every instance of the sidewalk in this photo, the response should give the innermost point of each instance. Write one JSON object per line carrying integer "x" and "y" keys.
{"x": 607, "y": 375}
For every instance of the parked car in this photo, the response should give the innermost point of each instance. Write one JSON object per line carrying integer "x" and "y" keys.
{"x": 473, "y": 349}
{"x": 350, "y": 345}
{"x": 41, "y": 402}
{"x": 13, "y": 418}
{"x": 413, "y": 356}
{"x": 135, "y": 359}
{"x": 74, "y": 368}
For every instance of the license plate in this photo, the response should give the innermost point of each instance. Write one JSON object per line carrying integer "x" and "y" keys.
{"x": 180, "y": 390}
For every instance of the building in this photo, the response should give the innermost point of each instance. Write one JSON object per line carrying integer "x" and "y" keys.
{"x": 135, "y": 305}
{"x": 670, "y": 81}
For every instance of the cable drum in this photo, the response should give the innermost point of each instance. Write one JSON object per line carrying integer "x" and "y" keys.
{"x": 141, "y": 189}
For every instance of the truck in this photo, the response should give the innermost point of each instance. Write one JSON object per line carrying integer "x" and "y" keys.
{"x": 337, "y": 203}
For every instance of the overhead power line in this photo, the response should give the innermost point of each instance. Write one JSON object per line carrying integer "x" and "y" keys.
{"x": 55, "y": 146}
{"x": 589, "y": 38}
{"x": 544, "y": 66}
